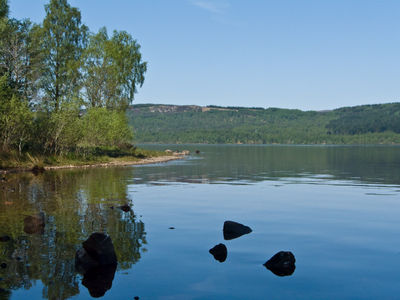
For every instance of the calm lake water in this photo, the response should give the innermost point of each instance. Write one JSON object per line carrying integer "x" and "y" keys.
{"x": 337, "y": 209}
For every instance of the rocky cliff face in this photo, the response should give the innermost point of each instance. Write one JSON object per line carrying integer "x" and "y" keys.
{"x": 159, "y": 108}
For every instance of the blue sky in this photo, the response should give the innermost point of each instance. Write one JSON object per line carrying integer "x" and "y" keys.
{"x": 286, "y": 53}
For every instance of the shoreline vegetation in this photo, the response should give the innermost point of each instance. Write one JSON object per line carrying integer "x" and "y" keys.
{"x": 38, "y": 164}
{"x": 64, "y": 91}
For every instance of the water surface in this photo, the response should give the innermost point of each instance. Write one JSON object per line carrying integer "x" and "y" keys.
{"x": 335, "y": 208}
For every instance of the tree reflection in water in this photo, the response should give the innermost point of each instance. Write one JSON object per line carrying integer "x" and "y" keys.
{"x": 76, "y": 203}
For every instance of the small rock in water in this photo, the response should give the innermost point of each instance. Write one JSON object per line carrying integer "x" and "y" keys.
{"x": 4, "y": 238}
{"x": 125, "y": 207}
{"x": 197, "y": 151}
{"x": 34, "y": 224}
{"x": 136, "y": 298}
{"x": 171, "y": 227}
{"x": 3, "y": 265}
{"x": 36, "y": 170}
{"x": 282, "y": 263}
{"x": 219, "y": 252}
{"x": 97, "y": 261}
{"x": 233, "y": 230}
{"x": 101, "y": 248}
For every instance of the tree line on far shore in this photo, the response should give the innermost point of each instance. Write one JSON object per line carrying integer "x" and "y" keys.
{"x": 364, "y": 124}
{"x": 63, "y": 88}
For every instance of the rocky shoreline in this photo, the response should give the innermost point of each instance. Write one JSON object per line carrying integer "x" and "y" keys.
{"x": 144, "y": 161}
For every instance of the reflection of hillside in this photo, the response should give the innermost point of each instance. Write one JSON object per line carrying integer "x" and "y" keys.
{"x": 227, "y": 163}
{"x": 76, "y": 203}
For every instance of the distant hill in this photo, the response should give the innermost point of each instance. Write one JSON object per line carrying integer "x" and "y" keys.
{"x": 365, "y": 124}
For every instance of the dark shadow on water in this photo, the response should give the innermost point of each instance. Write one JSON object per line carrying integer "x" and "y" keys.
{"x": 98, "y": 280}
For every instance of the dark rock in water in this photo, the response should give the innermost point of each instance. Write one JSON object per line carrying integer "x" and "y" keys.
{"x": 136, "y": 298}
{"x": 100, "y": 247}
{"x": 125, "y": 207}
{"x": 171, "y": 227}
{"x": 98, "y": 280}
{"x": 98, "y": 250}
{"x": 34, "y": 224}
{"x": 233, "y": 230}
{"x": 84, "y": 262}
{"x": 282, "y": 263}
{"x": 197, "y": 151}
{"x": 4, "y": 238}
{"x": 3, "y": 265}
{"x": 219, "y": 252}
{"x": 97, "y": 261}
{"x": 36, "y": 170}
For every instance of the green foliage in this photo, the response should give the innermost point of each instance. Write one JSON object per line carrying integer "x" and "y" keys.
{"x": 19, "y": 57}
{"x": 103, "y": 127}
{"x": 366, "y": 119}
{"x": 15, "y": 118}
{"x": 217, "y": 125}
{"x": 62, "y": 39}
{"x": 113, "y": 69}
{"x": 64, "y": 91}
{"x": 4, "y": 9}
{"x": 64, "y": 130}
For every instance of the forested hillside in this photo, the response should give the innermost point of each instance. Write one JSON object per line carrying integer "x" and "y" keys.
{"x": 366, "y": 124}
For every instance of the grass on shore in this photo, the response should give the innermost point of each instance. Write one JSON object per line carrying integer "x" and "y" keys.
{"x": 87, "y": 156}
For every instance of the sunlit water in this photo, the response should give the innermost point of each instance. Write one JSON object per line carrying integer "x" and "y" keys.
{"x": 335, "y": 208}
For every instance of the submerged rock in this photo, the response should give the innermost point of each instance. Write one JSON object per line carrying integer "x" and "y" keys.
{"x": 97, "y": 261}
{"x": 220, "y": 252}
{"x": 233, "y": 230}
{"x": 282, "y": 263}
{"x": 34, "y": 224}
